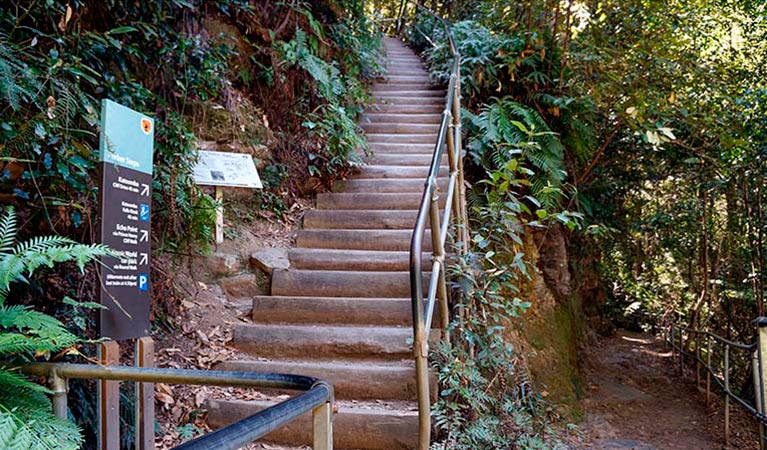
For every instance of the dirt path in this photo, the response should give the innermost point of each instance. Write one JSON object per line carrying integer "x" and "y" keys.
{"x": 635, "y": 400}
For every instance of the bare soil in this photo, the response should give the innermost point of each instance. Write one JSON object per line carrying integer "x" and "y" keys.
{"x": 637, "y": 400}
{"x": 203, "y": 327}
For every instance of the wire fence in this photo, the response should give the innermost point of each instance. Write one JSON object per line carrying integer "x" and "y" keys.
{"x": 737, "y": 369}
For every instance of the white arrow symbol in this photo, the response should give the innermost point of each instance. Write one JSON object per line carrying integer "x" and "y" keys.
{"x": 144, "y": 236}
{"x": 144, "y": 189}
{"x": 144, "y": 258}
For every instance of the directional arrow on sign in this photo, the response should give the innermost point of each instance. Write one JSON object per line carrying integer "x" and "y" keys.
{"x": 144, "y": 258}
{"x": 144, "y": 236}
{"x": 144, "y": 189}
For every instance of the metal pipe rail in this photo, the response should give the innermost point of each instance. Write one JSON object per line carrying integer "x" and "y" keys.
{"x": 674, "y": 337}
{"x": 318, "y": 398}
{"x": 448, "y": 139}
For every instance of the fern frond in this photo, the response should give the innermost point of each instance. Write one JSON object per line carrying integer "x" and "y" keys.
{"x": 7, "y": 230}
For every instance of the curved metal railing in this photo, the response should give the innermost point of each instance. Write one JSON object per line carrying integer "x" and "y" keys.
{"x": 448, "y": 141}
{"x": 721, "y": 371}
{"x": 318, "y": 398}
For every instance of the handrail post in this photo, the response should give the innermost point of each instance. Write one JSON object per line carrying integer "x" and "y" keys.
{"x": 59, "y": 394}
{"x": 439, "y": 255}
{"x": 727, "y": 394}
{"x": 461, "y": 212}
{"x": 322, "y": 426}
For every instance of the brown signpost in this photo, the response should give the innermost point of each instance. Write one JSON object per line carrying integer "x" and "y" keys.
{"x": 125, "y": 161}
{"x": 127, "y": 139}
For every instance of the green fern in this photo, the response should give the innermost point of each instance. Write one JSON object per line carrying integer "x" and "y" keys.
{"x": 26, "y": 421}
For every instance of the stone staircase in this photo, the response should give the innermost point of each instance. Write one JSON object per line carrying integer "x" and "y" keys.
{"x": 342, "y": 310}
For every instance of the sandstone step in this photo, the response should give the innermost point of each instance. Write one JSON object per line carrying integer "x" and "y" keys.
{"x": 338, "y": 283}
{"x": 332, "y": 310}
{"x": 384, "y": 185}
{"x": 352, "y": 201}
{"x": 427, "y": 93}
{"x": 430, "y": 138}
{"x": 393, "y": 147}
{"x": 405, "y": 100}
{"x": 358, "y": 260}
{"x": 395, "y": 159}
{"x": 402, "y": 128}
{"x": 351, "y": 380}
{"x": 405, "y": 86}
{"x": 408, "y": 78}
{"x": 372, "y": 201}
{"x": 359, "y": 220}
{"x": 385, "y": 240}
{"x": 373, "y": 117}
{"x": 361, "y": 427}
{"x": 324, "y": 341}
{"x": 377, "y": 171}
{"x": 407, "y": 109}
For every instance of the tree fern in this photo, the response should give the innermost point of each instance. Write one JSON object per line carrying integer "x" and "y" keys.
{"x": 26, "y": 421}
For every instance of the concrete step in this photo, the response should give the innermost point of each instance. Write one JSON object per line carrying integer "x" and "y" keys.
{"x": 352, "y": 380}
{"x": 357, "y": 260}
{"x": 324, "y": 341}
{"x": 406, "y": 109}
{"x": 353, "y": 201}
{"x": 384, "y": 240}
{"x": 377, "y": 171}
{"x": 394, "y": 159}
{"x": 373, "y": 117}
{"x": 430, "y": 138}
{"x": 338, "y": 283}
{"x": 359, "y": 220}
{"x": 402, "y": 128}
{"x": 383, "y": 185}
{"x": 333, "y": 310}
{"x": 361, "y": 426}
{"x": 393, "y": 147}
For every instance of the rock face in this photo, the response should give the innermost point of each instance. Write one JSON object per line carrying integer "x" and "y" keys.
{"x": 553, "y": 262}
{"x": 623, "y": 444}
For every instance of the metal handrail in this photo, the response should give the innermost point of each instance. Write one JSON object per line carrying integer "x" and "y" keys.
{"x": 449, "y": 137}
{"x": 318, "y": 398}
{"x": 674, "y": 337}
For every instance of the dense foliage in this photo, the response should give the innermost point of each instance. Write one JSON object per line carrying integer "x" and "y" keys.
{"x": 647, "y": 121}
{"x": 26, "y": 421}
{"x": 282, "y": 81}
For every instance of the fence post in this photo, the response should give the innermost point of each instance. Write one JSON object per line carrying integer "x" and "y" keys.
{"x": 59, "y": 396}
{"x": 708, "y": 371}
{"x": 681, "y": 352}
{"x": 697, "y": 360}
{"x": 726, "y": 394}
{"x": 757, "y": 396}
{"x": 759, "y": 385}
{"x": 671, "y": 342}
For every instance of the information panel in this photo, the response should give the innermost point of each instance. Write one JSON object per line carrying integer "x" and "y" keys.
{"x": 126, "y": 147}
{"x": 226, "y": 169}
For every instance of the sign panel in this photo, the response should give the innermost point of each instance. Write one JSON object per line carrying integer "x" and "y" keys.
{"x": 126, "y": 148}
{"x": 226, "y": 169}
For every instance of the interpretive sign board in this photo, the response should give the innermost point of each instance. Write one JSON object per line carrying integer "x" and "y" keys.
{"x": 125, "y": 160}
{"x": 226, "y": 169}
{"x": 221, "y": 170}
